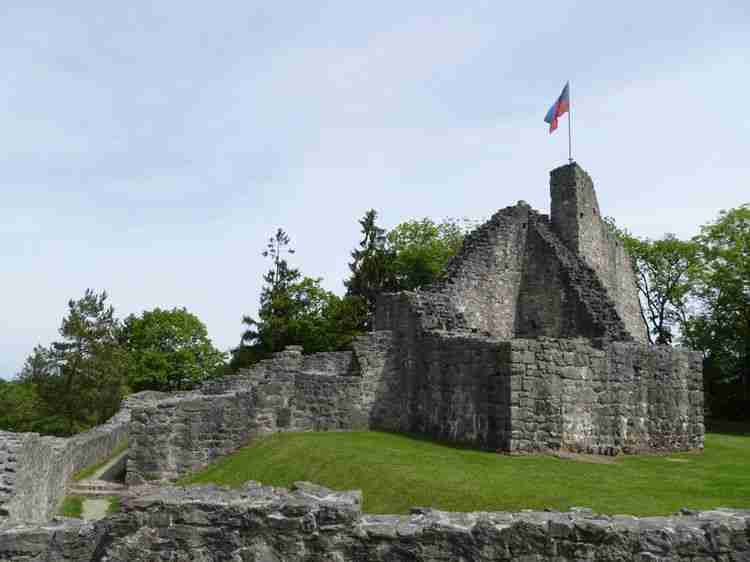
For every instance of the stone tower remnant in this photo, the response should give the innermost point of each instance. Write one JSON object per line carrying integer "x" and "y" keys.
{"x": 576, "y": 219}
{"x": 534, "y": 341}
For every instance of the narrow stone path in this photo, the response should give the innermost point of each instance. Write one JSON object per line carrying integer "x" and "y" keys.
{"x": 94, "y": 510}
{"x": 98, "y": 489}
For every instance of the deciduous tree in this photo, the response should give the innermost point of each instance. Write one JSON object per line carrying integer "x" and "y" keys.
{"x": 421, "y": 250}
{"x": 168, "y": 350}
{"x": 665, "y": 273}
{"x": 722, "y": 327}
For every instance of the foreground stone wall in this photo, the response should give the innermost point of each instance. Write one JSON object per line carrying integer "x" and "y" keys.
{"x": 34, "y": 469}
{"x": 311, "y": 523}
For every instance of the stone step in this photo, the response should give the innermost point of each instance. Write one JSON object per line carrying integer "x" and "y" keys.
{"x": 98, "y": 484}
{"x": 97, "y": 488}
{"x": 97, "y": 493}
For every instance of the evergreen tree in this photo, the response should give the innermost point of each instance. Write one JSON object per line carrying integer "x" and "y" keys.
{"x": 270, "y": 332}
{"x": 80, "y": 379}
{"x": 371, "y": 268}
{"x": 296, "y": 310}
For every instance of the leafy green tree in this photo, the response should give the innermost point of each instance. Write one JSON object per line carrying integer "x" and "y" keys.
{"x": 168, "y": 350}
{"x": 19, "y": 407}
{"x": 665, "y": 274}
{"x": 80, "y": 378}
{"x": 412, "y": 255}
{"x": 722, "y": 327}
{"x": 320, "y": 320}
{"x": 421, "y": 250}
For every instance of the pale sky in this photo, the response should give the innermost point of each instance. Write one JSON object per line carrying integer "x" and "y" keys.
{"x": 150, "y": 148}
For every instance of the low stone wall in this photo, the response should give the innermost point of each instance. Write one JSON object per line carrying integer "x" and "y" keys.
{"x": 34, "y": 470}
{"x": 60, "y": 540}
{"x": 311, "y": 523}
{"x": 171, "y": 437}
{"x": 184, "y": 432}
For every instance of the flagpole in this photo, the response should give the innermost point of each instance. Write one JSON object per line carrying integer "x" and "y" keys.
{"x": 570, "y": 112}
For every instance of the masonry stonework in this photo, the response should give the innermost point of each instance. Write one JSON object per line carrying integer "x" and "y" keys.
{"x": 532, "y": 342}
{"x": 528, "y": 344}
{"x": 35, "y": 469}
{"x": 183, "y": 432}
{"x": 577, "y": 220}
{"x": 310, "y": 523}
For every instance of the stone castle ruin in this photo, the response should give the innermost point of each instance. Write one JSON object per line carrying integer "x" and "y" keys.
{"x": 532, "y": 342}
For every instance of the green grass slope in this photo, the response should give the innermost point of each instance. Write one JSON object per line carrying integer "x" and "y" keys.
{"x": 397, "y": 472}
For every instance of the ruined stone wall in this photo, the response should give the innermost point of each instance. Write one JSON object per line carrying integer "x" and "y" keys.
{"x": 377, "y": 366}
{"x": 561, "y": 296}
{"x": 450, "y": 385}
{"x": 421, "y": 310}
{"x": 288, "y": 392}
{"x": 515, "y": 277}
{"x": 483, "y": 280}
{"x": 311, "y": 523}
{"x": 626, "y": 397}
{"x": 543, "y": 394}
{"x": 34, "y": 470}
{"x": 33, "y": 479}
{"x": 171, "y": 437}
{"x": 576, "y": 218}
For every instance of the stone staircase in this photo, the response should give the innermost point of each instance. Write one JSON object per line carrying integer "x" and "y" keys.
{"x": 97, "y": 489}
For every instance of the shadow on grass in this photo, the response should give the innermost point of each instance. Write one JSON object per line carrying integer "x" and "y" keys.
{"x": 442, "y": 442}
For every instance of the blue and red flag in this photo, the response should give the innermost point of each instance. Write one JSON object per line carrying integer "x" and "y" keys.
{"x": 559, "y": 108}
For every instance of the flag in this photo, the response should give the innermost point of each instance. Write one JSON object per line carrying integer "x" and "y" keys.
{"x": 559, "y": 108}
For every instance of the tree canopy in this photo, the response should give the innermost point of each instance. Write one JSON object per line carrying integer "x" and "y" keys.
{"x": 693, "y": 292}
{"x": 411, "y": 256}
{"x": 421, "y": 250}
{"x": 721, "y": 328}
{"x": 168, "y": 350}
{"x": 296, "y": 310}
{"x": 665, "y": 273}
{"x": 79, "y": 378}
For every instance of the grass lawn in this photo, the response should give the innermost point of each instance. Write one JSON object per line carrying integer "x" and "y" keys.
{"x": 72, "y": 506}
{"x": 396, "y": 472}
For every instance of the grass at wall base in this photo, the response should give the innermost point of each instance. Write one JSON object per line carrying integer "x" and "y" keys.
{"x": 397, "y": 472}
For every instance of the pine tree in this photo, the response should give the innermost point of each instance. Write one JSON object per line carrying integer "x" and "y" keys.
{"x": 372, "y": 266}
